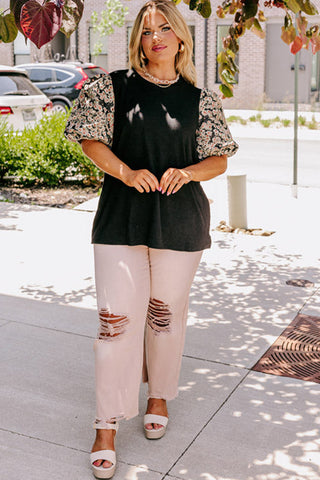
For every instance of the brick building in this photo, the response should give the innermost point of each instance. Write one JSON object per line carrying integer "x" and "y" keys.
{"x": 266, "y": 73}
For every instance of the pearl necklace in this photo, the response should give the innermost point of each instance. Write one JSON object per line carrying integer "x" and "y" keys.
{"x": 159, "y": 82}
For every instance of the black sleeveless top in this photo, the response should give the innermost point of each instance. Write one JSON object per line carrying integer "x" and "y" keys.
{"x": 155, "y": 128}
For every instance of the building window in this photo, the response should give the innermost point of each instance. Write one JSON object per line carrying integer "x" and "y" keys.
{"x": 222, "y": 32}
{"x": 21, "y": 50}
{"x": 101, "y": 59}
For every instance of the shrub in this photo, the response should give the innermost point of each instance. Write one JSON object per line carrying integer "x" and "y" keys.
{"x": 313, "y": 125}
{"x": 266, "y": 123}
{"x": 302, "y": 120}
{"x": 43, "y": 156}
{"x": 285, "y": 122}
{"x": 7, "y": 153}
{"x": 233, "y": 118}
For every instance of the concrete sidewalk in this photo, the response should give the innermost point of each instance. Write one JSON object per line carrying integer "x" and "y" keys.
{"x": 228, "y": 423}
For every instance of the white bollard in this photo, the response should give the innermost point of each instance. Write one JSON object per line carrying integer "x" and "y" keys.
{"x": 237, "y": 198}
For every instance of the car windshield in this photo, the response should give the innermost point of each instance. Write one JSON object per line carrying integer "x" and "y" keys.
{"x": 92, "y": 72}
{"x": 16, "y": 84}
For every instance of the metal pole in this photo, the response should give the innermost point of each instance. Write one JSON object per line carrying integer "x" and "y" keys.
{"x": 295, "y": 137}
{"x": 205, "y": 63}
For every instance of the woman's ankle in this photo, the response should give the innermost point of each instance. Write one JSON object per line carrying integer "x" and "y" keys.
{"x": 104, "y": 440}
{"x": 157, "y": 406}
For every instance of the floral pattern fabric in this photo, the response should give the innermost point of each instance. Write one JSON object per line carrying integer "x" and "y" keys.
{"x": 213, "y": 135}
{"x": 92, "y": 116}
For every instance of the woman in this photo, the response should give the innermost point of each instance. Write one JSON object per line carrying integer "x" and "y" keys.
{"x": 156, "y": 136}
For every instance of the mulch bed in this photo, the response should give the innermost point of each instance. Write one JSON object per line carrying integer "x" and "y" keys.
{"x": 64, "y": 197}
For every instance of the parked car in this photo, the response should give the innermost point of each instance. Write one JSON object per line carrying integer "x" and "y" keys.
{"x": 21, "y": 102}
{"x": 61, "y": 82}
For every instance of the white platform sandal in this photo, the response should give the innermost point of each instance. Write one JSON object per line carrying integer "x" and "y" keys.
{"x": 109, "y": 455}
{"x": 155, "y": 433}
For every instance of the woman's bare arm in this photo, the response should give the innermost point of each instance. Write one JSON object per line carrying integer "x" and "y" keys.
{"x": 108, "y": 162}
{"x": 173, "y": 179}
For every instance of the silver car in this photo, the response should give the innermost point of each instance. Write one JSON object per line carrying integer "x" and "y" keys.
{"x": 22, "y": 104}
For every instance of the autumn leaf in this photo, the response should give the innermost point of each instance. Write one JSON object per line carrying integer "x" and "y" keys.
{"x": 293, "y": 5}
{"x": 307, "y": 7}
{"x": 315, "y": 41}
{"x": 204, "y": 8}
{"x": 220, "y": 12}
{"x": 288, "y": 34}
{"x": 71, "y": 16}
{"x": 226, "y": 91}
{"x": 296, "y": 45}
{"x": 193, "y": 4}
{"x": 257, "y": 29}
{"x": 250, "y": 8}
{"x": 248, "y": 23}
{"x": 40, "y": 23}
{"x": 8, "y": 28}
{"x": 15, "y": 7}
{"x": 302, "y": 24}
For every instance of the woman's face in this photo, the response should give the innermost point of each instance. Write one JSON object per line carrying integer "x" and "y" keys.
{"x": 158, "y": 40}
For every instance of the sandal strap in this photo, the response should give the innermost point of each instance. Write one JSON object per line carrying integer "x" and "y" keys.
{"x": 160, "y": 419}
{"x": 106, "y": 426}
{"x": 108, "y": 455}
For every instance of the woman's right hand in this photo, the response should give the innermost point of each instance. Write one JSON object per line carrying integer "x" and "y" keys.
{"x": 101, "y": 155}
{"x": 142, "y": 180}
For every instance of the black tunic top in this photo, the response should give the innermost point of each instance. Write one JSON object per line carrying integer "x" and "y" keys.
{"x": 155, "y": 128}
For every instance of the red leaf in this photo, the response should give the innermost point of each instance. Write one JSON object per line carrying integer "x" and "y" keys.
{"x": 16, "y": 6}
{"x": 40, "y": 23}
{"x": 296, "y": 45}
{"x": 315, "y": 44}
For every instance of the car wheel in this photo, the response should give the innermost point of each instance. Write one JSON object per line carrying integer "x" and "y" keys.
{"x": 59, "y": 107}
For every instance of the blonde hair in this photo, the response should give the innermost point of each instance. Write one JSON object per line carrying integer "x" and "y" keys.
{"x": 183, "y": 60}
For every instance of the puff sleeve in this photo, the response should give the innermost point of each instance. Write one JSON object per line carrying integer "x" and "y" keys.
{"x": 92, "y": 116}
{"x": 213, "y": 136}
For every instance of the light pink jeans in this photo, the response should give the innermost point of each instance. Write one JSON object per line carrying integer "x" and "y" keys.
{"x": 142, "y": 296}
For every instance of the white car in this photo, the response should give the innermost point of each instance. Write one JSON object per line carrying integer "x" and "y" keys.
{"x": 22, "y": 104}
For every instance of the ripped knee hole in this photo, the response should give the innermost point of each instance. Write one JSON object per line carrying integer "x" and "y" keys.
{"x": 159, "y": 316}
{"x": 111, "y": 325}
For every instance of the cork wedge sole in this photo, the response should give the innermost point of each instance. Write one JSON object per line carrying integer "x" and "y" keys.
{"x": 155, "y": 434}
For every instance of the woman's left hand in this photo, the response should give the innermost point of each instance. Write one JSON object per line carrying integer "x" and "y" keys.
{"x": 173, "y": 179}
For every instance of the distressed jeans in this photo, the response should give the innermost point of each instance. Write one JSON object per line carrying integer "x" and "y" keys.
{"x": 142, "y": 298}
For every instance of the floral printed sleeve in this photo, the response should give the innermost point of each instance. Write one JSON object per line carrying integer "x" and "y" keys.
{"x": 92, "y": 116}
{"x": 213, "y": 135}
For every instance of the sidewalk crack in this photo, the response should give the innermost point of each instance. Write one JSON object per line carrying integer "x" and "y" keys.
{"x": 5, "y": 322}
{"x": 204, "y": 426}
{"x": 42, "y": 440}
{"x": 51, "y": 329}
{"x": 217, "y": 362}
